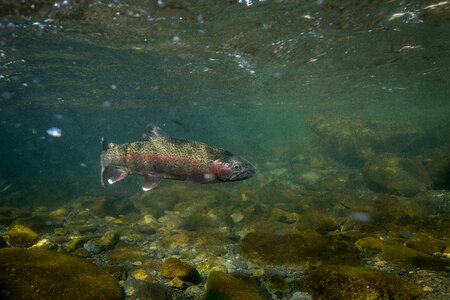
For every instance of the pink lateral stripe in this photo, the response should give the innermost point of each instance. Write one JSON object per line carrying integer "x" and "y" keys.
{"x": 158, "y": 157}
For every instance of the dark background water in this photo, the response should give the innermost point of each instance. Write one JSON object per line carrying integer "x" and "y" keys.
{"x": 241, "y": 77}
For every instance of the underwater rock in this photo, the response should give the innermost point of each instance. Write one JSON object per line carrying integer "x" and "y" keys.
{"x": 425, "y": 243}
{"x": 193, "y": 292}
{"x": 45, "y": 244}
{"x": 57, "y": 216}
{"x": 237, "y": 217}
{"x": 147, "y": 228}
{"x": 145, "y": 290}
{"x": 173, "y": 267}
{"x": 91, "y": 247}
{"x": 352, "y": 141}
{"x": 284, "y": 216}
{"x": 386, "y": 209}
{"x": 437, "y": 200}
{"x": 3, "y": 243}
{"x": 439, "y": 170}
{"x": 129, "y": 218}
{"x": 76, "y": 242}
{"x": 108, "y": 240}
{"x": 276, "y": 283}
{"x": 39, "y": 224}
{"x": 42, "y": 274}
{"x": 408, "y": 256}
{"x": 171, "y": 221}
{"x": 370, "y": 245}
{"x": 112, "y": 206}
{"x": 81, "y": 252}
{"x": 177, "y": 282}
{"x": 266, "y": 249}
{"x": 396, "y": 174}
{"x": 446, "y": 251}
{"x": 316, "y": 220}
{"x": 124, "y": 252}
{"x": 301, "y": 296}
{"x": 141, "y": 275}
{"x": 196, "y": 221}
{"x": 220, "y": 285}
{"x": 262, "y": 223}
{"x": 21, "y": 236}
{"x": 345, "y": 282}
{"x": 213, "y": 240}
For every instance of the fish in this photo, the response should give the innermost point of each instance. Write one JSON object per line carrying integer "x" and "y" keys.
{"x": 158, "y": 156}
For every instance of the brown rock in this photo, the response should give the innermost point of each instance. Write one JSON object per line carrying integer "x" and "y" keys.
{"x": 396, "y": 174}
{"x": 173, "y": 267}
{"x": 276, "y": 283}
{"x": 345, "y": 282}
{"x": 108, "y": 240}
{"x": 224, "y": 286}
{"x": 425, "y": 243}
{"x": 141, "y": 275}
{"x": 176, "y": 282}
{"x": 124, "y": 252}
{"x": 266, "y": 249}
{"x": 42, "y": 274}
{"x": 370, "y": 244}
{"x": 21, "y": 236}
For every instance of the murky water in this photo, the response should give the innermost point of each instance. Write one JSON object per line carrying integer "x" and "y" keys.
{"x": 318, "y": 96}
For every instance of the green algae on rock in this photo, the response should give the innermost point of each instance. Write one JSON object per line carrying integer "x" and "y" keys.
{"x": 42, "y": 274}
{"x": 345, "y": 282}
{"x": 76, "y": 242}
{"x": 276, "y": 283}
{"x": 265, "y": 249}
{"x": 108, "y": 240}
{"x": 21, "y": 236}
{"x": 396, "y": 174}
{"x": 370, "y": 245}
{"x": 124, "y": 252}
{"x": 439, "y": 169}
{"x": 220, "y": 285}
{"x": 425, "y": 243}
{"x": 352, "y": 141}
{"x": 173, "y": 267}
{"x": 316, "y": 220}
{"x": 387, "y": 209}
{"x": 112, "y": 206}
{"x": 405, "y": 255}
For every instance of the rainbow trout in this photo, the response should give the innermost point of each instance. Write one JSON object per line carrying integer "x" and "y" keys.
{"x": 157, "y": 156}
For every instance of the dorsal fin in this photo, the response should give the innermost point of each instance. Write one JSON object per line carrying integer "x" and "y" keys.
{"x": 104, "y": 144}
{"x": 151, "y": 132}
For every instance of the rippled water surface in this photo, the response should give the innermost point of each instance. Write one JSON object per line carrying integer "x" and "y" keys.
{"x": 338, "y": 105}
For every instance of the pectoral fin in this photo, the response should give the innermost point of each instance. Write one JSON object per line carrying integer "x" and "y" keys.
{"x": 150, "y": 182}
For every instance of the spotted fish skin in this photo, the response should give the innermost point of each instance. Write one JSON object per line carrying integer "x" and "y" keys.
{"x": 158, "y": 156}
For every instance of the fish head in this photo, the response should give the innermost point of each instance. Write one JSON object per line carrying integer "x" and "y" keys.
{"x": 232, "y": 168}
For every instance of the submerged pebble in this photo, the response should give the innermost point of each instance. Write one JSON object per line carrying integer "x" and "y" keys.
{"x": 91, "y": 247}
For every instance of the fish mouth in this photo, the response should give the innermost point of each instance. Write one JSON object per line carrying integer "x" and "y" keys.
{"x": 244, "y": 174}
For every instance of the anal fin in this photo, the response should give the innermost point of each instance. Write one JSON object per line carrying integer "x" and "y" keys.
{"x": 150, "y": 182}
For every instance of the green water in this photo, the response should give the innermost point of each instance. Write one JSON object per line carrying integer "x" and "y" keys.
{"x": 242, "y": 77}
{"x": 342, "y": 106}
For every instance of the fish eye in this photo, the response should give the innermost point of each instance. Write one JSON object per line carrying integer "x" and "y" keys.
{"x": 236, "y": 166}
